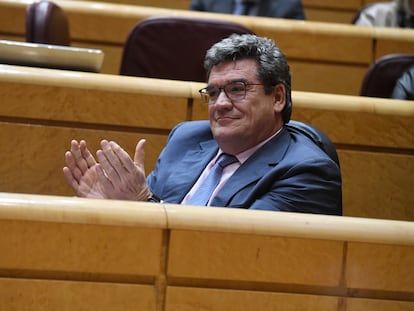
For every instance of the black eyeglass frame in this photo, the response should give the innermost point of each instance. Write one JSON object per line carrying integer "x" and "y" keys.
{"x": 206, "y": 98}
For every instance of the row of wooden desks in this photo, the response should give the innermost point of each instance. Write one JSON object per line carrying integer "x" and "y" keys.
{"x": 324, "y": 57}
{"x": 43, "y": 109}
{"x": 61, "y": 253}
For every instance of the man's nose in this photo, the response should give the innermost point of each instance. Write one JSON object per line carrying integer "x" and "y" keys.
{"x": 222, "y": 99}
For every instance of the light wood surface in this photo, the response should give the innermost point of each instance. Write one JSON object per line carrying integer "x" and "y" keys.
{"x": 324, "y": 57}
{"x": 88, "y": 254}
{"x": 44, "y": 109}
{"x": 48, "y": 295}
{"x": 319, "y": 10}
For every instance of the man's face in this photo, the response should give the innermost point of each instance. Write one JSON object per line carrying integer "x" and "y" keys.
{"x": 241, "y": 124}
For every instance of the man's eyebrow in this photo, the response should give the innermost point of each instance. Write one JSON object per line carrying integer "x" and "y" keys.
{"x": 239, "y": 80}
{"x": 231, "y": 81}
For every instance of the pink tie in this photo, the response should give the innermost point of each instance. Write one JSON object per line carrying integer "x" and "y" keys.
{"x": 204, "y": 192}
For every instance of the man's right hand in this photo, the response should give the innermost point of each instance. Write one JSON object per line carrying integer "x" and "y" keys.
{"x": 80, "y": 171}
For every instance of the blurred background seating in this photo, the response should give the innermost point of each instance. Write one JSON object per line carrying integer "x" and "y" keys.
{"x": 380, "y": 79}
{"x": 46, "y": 23}
{"x": 172, "y": 47}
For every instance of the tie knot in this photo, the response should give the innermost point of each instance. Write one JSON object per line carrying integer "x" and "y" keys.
{"x": 226, "y": 159}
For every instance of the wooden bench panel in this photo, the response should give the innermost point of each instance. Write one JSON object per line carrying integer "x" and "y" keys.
{"x": 270, "y": 259}
{"x": 353, "y": 304}
{"x": 182, "y": 298}
{"x": 374, "y": 137}
{"x": 316, "y": 45}
{"x": 93, "y": 98}
{"x": 103, "y": 252}
{"x": 380, "y": 267}
{"x": 13, "y": 18}
{"x": 48, "y": 112}
{"x": 390, "y": 40}
{"x": 28, "y": 254}
{"x": 313, "y": 40}
{"x": 212, "y": 261}
{"x": 373, "y": 181}
{"x": 89, "y": 106}
{"x": 347, "y": 4}
{"x": 50, "y": 295}
{"x": 168, "y": 4}
{"x": 89, "y": 239}
{"x": 187, "y": 298}
{"x": 36, "y": 158}
{"x": 322, "y": 10}
{"x": 328, "y": 15}
{"x": 340, "y": 53}
{"x": 331, "y": 11}
{"x": 60, "y": 252}
{"x": 317, "y": 77}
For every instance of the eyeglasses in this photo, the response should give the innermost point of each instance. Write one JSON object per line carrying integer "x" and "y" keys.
{"x": 235, "y": 91}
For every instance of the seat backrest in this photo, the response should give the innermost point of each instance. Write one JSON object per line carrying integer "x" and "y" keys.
{"x": 381, "y": 76}
{"x": 173, "y": 47}
{"x": 46, "y": 23}
{"x": 320, "y": 139}
{"x": 316, "y": 135}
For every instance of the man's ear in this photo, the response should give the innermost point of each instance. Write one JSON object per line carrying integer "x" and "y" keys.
{"x": 279, "y": 95}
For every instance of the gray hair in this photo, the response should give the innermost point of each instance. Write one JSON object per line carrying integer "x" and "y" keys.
{"x": 272, "y": 64}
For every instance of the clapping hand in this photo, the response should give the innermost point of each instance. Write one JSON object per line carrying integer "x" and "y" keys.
{"x": 114, "y": 176}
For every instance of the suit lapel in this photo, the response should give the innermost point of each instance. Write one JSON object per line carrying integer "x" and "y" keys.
{"x": 189, "y": 169}
{"x": 254, "y": 168}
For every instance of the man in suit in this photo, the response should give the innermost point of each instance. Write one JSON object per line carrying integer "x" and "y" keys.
{"x": 404, "y": 87}
{"x": 249, "y": 102}
{"x": 291, "y": 9}
{"x": 396, "y": 13}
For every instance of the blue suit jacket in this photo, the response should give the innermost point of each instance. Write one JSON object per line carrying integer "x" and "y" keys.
{"x": 288, "y": 173}
{"x": 292, "y": 9}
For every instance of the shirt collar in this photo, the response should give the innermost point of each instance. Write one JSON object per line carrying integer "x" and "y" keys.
{"x": 243, "y": 156}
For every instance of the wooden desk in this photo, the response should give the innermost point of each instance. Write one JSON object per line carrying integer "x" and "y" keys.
{"x": 60, "y": 252}
{"x": 50, "y": 56}
{"x": 315, "y": 10}
{"x": 43, "y": 109}
{"x": 324, "y": 57}
{"x": 333, "y": 11}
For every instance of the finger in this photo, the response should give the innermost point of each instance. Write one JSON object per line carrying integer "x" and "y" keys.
{"x": 74, "y": 148}
{"x": 70, "y": 179}
{"x": 110, "y": 164}
{"x": 86, "y": 154}
{"x": 123, "y": 157}
{"x": 139, "y": 156}
{"x": 72, "y": 166}
{"x": 110, "y": 153}
{"x": 106, "y": 184}
{"x": 79, "y": 160}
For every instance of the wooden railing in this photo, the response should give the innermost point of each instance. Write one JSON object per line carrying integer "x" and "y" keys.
{"x": 71, "y": 253}
{"x": 315, "y": 10}
{"x": 43, "y": 109}
{"x": 333, "y": 11}
{"x": 324, "y": 57}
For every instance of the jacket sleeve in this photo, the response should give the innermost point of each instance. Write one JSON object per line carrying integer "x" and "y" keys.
{"x": 404, "y": 87}
{"x": 307, "y": 187}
